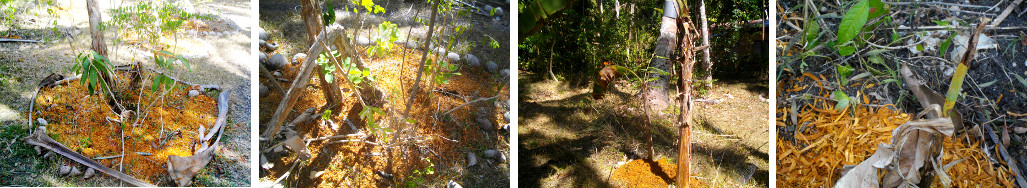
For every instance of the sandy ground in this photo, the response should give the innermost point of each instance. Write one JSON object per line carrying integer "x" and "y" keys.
{"x": 217, "y": 58}
{"x": 567, "y": 139}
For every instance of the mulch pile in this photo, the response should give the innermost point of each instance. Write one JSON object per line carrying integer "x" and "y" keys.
{"x": 78, "y": 120}
{"x": 647, "y": 173}
{"x": 829, "y": 139}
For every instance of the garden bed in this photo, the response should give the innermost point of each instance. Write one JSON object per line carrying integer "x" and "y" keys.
{"x": 87, "y": 125}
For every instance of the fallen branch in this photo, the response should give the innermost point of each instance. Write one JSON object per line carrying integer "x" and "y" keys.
{"x": 39, "y": 138}
{"x": 465, "y": 104}
{"x": 19, "y": 40}
{"x": 1004, "y": 14}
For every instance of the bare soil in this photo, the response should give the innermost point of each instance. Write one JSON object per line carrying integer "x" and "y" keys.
{"x": 567, "y": 139}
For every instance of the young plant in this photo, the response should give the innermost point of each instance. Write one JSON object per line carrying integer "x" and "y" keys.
{"x": 166, "y": 64}
{"x": 327, "y": 67}
{"x": 387, "y": 33}
{"x": 370, "y": 115}
{"x": 94, "y": 69}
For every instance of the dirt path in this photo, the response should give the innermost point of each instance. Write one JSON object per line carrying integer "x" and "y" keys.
{"x": 569, "y": 140}
{"x": 217, "y": 58}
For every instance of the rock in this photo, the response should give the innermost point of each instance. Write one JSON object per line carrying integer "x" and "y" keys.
{"x": 64, "y": 170}
{"x": 89, "y": 173}
{"x": 278, "y": 149}
{"x": 505, "y": 128}
{"x": 315, "y": 174}
{"x": 261, "y": 34}
{"x": 453, "y": 57}
{"x": 440, "y": 50}
{"x": 471, "y": 60}
{"x": 453, "y": 184}
{"x": 263, "y": 58}
{"x": 41, "y": 121}
{"x": 263, "y": 91}
{"x": 268, "y": 46}
{"x": 363, "y": 41}
{"x": 277, "y": 73}
{"x": 193, "y": 93}
{"x": 276, "y": 62}
{"x": 505, "y": 73}
{"x": 398, "y": 42}
{"x": 491, "y": 67}
{"x": 264, "y": 163}
{"x": 499, "y": 12}
{"x": 488, "y": 8}
{"x": 495, "y": 154}
{"x": 471, "y": 159}
{"x": 299, "y": 58}
{"x": 75, "y": 171}
{"x": 506, "y": 116}
{"x": 412, "y": 44}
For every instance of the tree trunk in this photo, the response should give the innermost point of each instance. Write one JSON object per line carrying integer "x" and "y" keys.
{"x": 312, "y": 20}
{"x": 551, "y": 75}
{"x": 424, "y": 59}
{"x": 654, "y": 92}
{"x": 685, "y": 96}
{"x": 707, "y": 65}
{"x": 94, "y": 28}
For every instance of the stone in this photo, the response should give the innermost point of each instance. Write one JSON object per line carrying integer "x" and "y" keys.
{"x": 41, "y": 121}
{"x": 276, "y": 62}
{"x": 507, "y": 116}
{"x": 264, "y": 91}
{"x": 269, "y": 46}
{"x": 471, "y": 60}
{"x": 263, "y": 58}
{"x": 495, "y": 154}
{"x": 471, "y": 159}
{"x": 193, "y": 93}
{"x": 453, "y": 57}
{"x": 89, "y": 173}
{"x": 64, "y": 170}
{"x": 440, "y": 50}
{"x": 505, "y": 73}
{"x": 412, "y": 44}
{"x": 491, "y": 67}
{"x": 499, "y": 12}
{"x": 261, "y": 34}
{"x": 298, "y": 58}
{"x": 75, "y": 171}
{"x": 277, "y": 73}
{"x": 453, "y": 184}
{"x": 315, "y": 174}
{"x": 485, "y": 124}
{"x": 363, "y": 41}
{"x": 264, "y": 163}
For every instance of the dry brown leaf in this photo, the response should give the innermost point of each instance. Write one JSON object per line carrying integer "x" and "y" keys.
{"x": 865, "y": 174}
{"x": 297, "y": 145}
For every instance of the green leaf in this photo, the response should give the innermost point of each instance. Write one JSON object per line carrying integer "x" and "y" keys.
{"x": 845, "y": 71}
{"x": 842, "y": 98}
{"x": 812, "y": 31}
{"x": 945, "y": 45}
{"x": 853, "y": 21}
{"x": 846, "y": 50}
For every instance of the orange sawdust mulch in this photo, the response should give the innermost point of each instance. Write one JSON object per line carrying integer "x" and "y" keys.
{"x": 646, "y": 173}
{"x": 78, "y": 121}
{"x": 832, "y": 139}
{"x": 349, "y": 163}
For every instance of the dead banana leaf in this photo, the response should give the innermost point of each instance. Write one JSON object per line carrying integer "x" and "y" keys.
{"x": 865, "y": 174}
{"x": 915, "y": 144}
{"x": 183, "y": 169}
{"x": 926, "y": 96}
